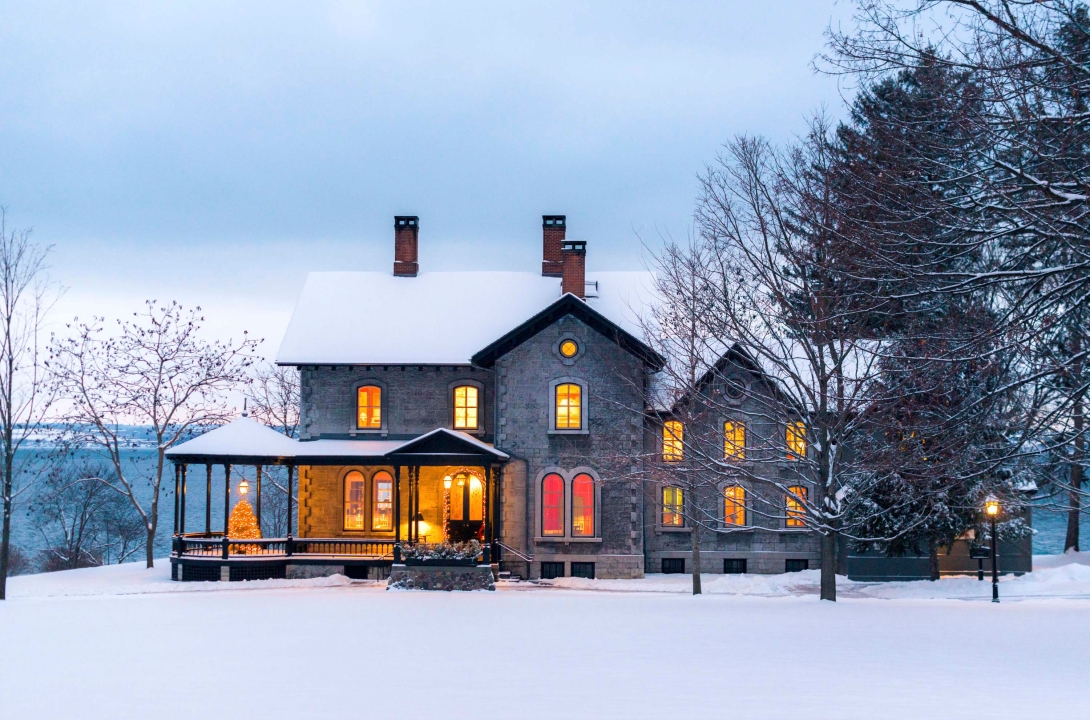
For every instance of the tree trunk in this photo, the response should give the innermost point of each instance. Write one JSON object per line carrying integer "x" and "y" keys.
{"x": 696, "y": 558}
{"x": 1071, "y": 542}
{"x": 8, "y": 489}
{"x": 828, "y": 566}
{"x": 5, "y": 540}
{"x": 933, "y": 558}
{"x": 151, "y": 547}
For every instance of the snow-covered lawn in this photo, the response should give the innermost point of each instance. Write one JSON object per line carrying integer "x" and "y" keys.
{"x": 124, "y": 642}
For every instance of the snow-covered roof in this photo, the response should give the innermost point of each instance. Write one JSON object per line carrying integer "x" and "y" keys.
{"x": 244, "y": 436}
{"x": 246, "y": 439}
{"x": 435, "y": 318}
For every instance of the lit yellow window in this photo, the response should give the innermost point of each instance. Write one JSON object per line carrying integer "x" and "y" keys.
{"x": 568, "y": 348}
{"x": 734, "y": 505}
{"x": 734, "y": 440}
{"x": 672, "y": 507}
{"x": 369, "y": 407}
{"x": 355, "y": 499}
{"x": 465, "y": 408}
{"x": 673, "y": 433}
{"x": 796, "y": 440}
{"x": 796, "y": 511}
{"x": 382, "y": 507}
{"x": 569, "y": 407}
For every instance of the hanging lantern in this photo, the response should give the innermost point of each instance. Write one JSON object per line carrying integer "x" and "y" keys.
{"x": 446, "y": 482}
{"x": 243, "y": 487}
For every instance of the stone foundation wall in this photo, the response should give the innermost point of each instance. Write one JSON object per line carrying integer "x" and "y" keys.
{"x": 438, "y": 577}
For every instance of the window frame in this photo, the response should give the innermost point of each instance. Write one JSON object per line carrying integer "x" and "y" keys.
{"x": 563, "y": 507}
{"x": 567, "y": 476}
{"x": 364, "y": 502}
{"x": 672, "y": 438}
{"x": 452, "y": 389}
{"x": 584, "y": 407}
{"x": 593, "y": 506}
{"x": 795, "y": 429}
{"x": 373, "y": 497}
{"x": 383, "y": 404}
{"x": 744, "y": 505}
{"x": 736, "y": 424}
{"x": 795, "y": 517}
{"x": 681, "y": 525}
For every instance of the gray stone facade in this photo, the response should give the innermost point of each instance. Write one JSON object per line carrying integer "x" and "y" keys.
{"x": 612, "y": 380}
{"x": 517, "y": 416}
{"x": 415, "y": 399}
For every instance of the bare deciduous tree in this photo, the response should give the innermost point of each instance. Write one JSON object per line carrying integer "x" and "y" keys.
{"x": 25, "y": 297}
{"x": 156, "y": 371}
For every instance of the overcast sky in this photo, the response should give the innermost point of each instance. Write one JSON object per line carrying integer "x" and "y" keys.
{"x": 214, "y": 152}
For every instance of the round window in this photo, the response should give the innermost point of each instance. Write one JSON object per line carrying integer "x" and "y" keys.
{"x": 735, "y": 389}
{"x": 569, "y": 348}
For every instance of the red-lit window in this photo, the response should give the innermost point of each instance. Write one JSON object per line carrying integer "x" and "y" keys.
{"x": 552, "y": 505}
{"x": 582, "y": 506}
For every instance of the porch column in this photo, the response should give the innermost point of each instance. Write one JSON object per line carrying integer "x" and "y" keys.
{"x": 208, "y": 503}
{"x": 416, "y": 504}
{"x": 177, "y": 491}
{"x": 181, "y": 524}
{"x": 397, "y": 513}
{"x": 290, "y": 469}
{"x": 226, "y": 506}
{"x": 487, "y": 490}
{"x": 258, "y": 496}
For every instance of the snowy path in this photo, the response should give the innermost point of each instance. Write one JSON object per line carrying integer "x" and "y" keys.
{"x": 124, "y": 642}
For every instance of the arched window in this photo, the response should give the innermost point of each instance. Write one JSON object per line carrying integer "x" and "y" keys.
{"x": 734, "y": 440}
{"x": 466, "y": 408}
{"x": 672, "y": 507}
{"x": 569, "y": 407}
{"x": 369, "y": 407}
{"x": 382, "y": 506}
{"x": 796, "y": 511}
{"x": 673, "y": 435}
{"x": 582, "y": 506}
{"x": 796, "y": 440}
{"x": 734, "y": 505}
{"x": 466, "y": 498}
{"x": 355, "y": 501}
{"x": 552, "y": 505}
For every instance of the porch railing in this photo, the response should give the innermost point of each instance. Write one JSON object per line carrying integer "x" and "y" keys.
{"x": 210, "y": 546}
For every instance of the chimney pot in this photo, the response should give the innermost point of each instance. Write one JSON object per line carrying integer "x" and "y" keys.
{"x": 406, "y": 234}
{"x": 553, "y": 231}
{"x": 573, "y": 255}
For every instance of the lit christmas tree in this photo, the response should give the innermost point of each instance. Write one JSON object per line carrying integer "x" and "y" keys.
{"x": 242, "y": 525}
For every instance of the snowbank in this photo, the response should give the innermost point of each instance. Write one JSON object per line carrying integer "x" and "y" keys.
{"x": 135, "y": 579}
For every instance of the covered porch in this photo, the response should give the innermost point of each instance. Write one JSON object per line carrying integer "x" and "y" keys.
{"x": 361, "y": 503}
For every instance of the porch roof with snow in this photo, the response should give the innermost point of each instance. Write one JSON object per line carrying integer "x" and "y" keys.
{"x": 247, "y": 442}
{"x": 436, "y": 318}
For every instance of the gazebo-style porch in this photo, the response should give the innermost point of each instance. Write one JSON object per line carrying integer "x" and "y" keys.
{"x": 388, "y": 494}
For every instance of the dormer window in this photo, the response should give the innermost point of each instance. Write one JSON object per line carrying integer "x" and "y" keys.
{"x": 466, "y": 408}
{"x": 369, "y": 408}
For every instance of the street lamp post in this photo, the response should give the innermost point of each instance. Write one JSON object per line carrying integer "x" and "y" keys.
{"x": 991, "y": 509}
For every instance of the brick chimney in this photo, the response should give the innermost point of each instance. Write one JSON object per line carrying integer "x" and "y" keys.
{"x": 406, "y": 232}
{"x": 573, "y": 258}
{"x": 553, "y": 229}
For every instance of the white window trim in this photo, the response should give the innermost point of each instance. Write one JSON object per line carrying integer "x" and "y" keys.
{"x": 384, "y": 405}
{"x": 567, "y": 476}
{"x": 480, "y": 405}
{"x": 584, "y": 410}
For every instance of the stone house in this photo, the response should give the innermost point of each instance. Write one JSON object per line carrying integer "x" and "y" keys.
{"x": 506, "y": 407}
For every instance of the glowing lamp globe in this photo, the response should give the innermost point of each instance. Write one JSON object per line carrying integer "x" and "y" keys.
{"x": 991, "y": 507}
